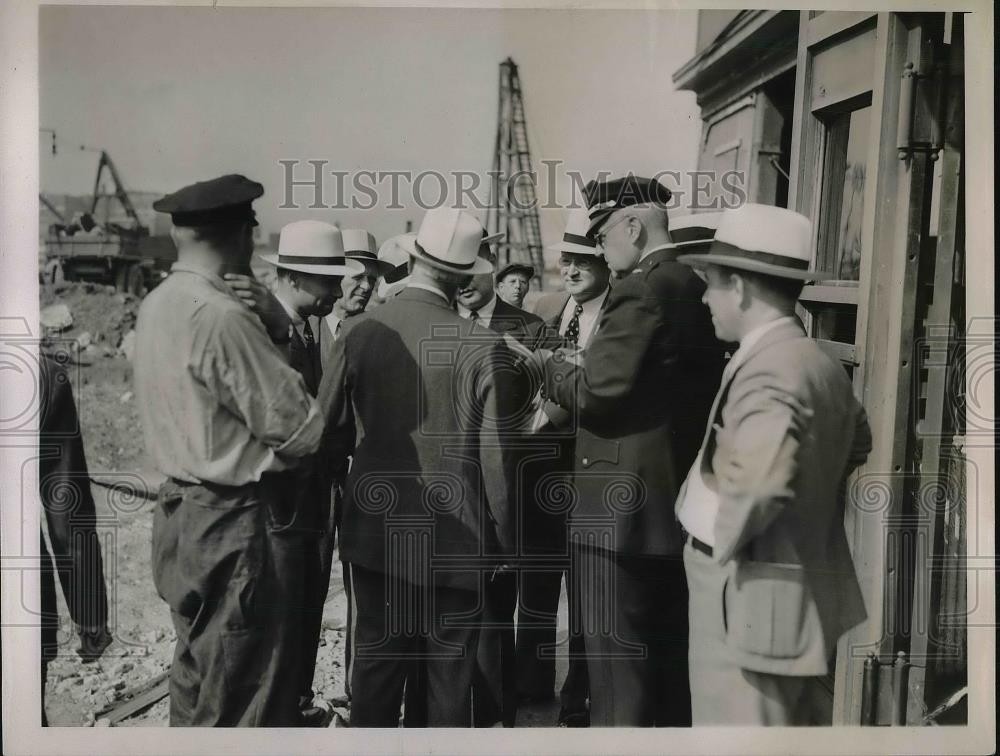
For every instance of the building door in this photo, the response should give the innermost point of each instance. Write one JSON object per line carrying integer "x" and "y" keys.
{"x": 869, "y": 203}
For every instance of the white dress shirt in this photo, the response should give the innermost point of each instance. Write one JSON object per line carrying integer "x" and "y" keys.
{"x": 589, "y": 317}
{"x": 485, "y": 312}
{"x": 699, "y": 504}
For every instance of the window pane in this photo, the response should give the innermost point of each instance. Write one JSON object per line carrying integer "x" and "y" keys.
{"x": 843, "y": 193}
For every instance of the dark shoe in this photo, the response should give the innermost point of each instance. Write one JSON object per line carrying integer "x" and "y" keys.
{"x": 315, "y": 716}
{"x": 574, "y": 718}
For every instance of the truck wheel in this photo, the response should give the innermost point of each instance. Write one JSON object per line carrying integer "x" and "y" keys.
{"x": 130, "y": 280}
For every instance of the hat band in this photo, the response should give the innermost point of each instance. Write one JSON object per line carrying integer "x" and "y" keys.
{"x": 585, "y": 241}
{"x": 692, "y": 235}
{"x": 783, "y": 261}
{"x": 365, "y": 253}
{"x": 307, "y": 260}
{"x": 448, "y": 263}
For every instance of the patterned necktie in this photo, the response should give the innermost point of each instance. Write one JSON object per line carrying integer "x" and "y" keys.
{"x": 307, "y": 337}
{"x": 573, "y": 328}
{"x": 474, "y": 316}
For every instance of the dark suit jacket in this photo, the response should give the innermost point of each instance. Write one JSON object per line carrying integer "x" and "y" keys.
{"x": 413, "y": 392}
{"x": 641, "y": 398}
{"x": 520, "y": 324}
{"x": 64, "y": 485}
{"x": 786, "y": 430}
{"x": 310, "y": 367}
{"x": 550, "y": 305}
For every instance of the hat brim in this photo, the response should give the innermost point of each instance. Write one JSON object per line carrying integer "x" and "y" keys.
{"x": 349, "y": 268}
{"x": 478, "y": 268}
{"x": 575, "y": 249}
{"x": 387, "y": 289}
{"x": 384, "y": 268}
{"x": 754, "y": 266}
{"x": 493, "y": 238}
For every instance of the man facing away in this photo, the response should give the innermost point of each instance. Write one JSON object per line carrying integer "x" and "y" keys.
{"x": 412, "y": 394}
{"x": 771, "y": 582}
{"x": 640, "y": 394}
{"x": 226, "y": 420}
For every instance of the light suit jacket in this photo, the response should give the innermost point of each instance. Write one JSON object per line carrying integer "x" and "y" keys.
{"x": 783, "y": 434}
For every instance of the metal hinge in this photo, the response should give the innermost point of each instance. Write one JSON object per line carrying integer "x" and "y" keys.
{"x": 920, "y": 93}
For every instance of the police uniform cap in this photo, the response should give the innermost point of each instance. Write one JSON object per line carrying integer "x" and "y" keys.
{"x": 226, "y": 199}
{"x": 605, "y": 197}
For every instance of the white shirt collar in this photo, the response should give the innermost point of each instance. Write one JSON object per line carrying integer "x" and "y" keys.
{"x": 430, "y": 288}
{"x": 485, "y": 312}
{"x": 749, "y": 340}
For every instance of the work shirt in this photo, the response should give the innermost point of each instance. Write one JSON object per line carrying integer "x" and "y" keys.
{"x": 699, "y": 504}
{"x": 217, "y": 401}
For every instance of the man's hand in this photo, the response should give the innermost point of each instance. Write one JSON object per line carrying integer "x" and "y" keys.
{"x": 93, "y": 642}
{"x": 262, "y": 302}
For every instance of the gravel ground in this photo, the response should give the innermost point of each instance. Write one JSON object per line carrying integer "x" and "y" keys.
{"x": 140, "y": 621}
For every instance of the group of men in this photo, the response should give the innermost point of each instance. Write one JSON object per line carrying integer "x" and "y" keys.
{"x": 679, "y": 467}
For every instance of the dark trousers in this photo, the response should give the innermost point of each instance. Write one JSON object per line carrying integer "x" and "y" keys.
{"x": 318, "y": 557}
{"x": 398, "y": 624}
{"x": 537, "y": 622}
{"x": 228, "y": 562}
{"x": 635, "y": 625}
{"x": 495, "y": 687}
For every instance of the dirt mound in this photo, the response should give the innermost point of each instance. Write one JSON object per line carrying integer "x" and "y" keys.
{"x": 97, "y": 309}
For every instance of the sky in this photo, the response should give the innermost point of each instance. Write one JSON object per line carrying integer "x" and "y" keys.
{"x": 177, "y": 95}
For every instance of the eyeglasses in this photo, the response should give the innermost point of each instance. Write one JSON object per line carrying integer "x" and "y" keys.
{"x": 602, "y": 236}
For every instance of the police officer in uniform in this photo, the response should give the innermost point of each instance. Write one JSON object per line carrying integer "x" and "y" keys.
{"x": 640, "y": 394}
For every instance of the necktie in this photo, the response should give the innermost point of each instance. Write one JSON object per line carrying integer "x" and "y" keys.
{"x": 307, "y": 336}
{"x": 474, "y": 316}
{"x": 573, "y": 328}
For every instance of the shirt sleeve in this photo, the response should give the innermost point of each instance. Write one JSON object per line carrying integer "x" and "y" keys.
{"x": 242, "y": 368}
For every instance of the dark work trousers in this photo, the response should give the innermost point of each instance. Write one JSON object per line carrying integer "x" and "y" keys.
{"x": 398, "y": 624}
{"x": 228, "y": 562}
{"x": 635, "y": 625}
{"x": 537, "y": 622}
{"x": 318, "y": 560}
{"x": 494, "y": 694}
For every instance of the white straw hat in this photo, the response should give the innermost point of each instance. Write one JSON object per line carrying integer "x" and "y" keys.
{"x": 310, "y": 246}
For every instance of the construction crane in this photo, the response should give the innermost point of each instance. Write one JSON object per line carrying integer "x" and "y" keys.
{"x": 124, "y": 254}
{"x": 513, "y": 207}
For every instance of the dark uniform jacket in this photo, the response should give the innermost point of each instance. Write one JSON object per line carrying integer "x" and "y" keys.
{"x": 64, "y": 485}
{"x": 641, "y": 397}
{"x": 413, "y": 392}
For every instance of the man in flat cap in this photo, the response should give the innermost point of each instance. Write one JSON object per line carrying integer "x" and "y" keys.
{"x": 772, "y": 583}
{"x": 514, "y": 282}
{"x": 412, "y": 393}
{"x": 639, "y": 395}
{"x": 226, "y": 420}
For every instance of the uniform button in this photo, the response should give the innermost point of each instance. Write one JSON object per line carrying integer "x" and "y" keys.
{"x": 586, "y": 461}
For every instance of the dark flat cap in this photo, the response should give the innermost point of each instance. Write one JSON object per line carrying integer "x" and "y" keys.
{"x": 225, "y": 199}
{"x": 514, "y": 267}
{"x": 605, "y": 197}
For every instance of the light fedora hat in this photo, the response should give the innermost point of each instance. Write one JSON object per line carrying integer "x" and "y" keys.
{"x": 574, "y": 239}
{"x": 762, "y": 239}
{"x": 396, "y": 252}
{"x": 694, "y": 232}
{"x": 360, "y": 245}
{"x": 449, "y": 239}
{"x": 310, "y": 246}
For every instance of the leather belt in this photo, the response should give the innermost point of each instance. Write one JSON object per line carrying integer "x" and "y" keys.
{"x": 701, "y": 546}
